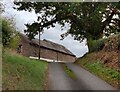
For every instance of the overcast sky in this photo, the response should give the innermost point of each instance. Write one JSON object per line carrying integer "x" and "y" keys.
{"x": 52, "y": 34}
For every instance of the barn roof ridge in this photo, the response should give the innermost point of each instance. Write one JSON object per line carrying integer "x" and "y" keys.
{"x": 53, "y": 42}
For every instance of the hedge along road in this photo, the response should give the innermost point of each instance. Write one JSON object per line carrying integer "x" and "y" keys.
{"x": 59, "y": 80}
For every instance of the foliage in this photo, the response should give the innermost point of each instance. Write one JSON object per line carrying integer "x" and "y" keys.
{"x": 112, "y": 43}
{"x": 14, "y": 42}
{"x": 7, "y": 31}
{"x": 0, "y": 30}
{"x": 96, "y": 45}
{"x": 97, "y": 66}
{"x": 10, "y": 37}
{"x": 2, "y": 8}
{"x": 85, "y": 19}
{"x": 22, "y": 73}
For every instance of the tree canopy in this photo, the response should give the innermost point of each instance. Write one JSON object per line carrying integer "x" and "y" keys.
{"x": 87, "y": 20}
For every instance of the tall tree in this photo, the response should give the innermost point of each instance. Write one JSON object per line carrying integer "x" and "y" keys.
{"x": 87, "y": 20}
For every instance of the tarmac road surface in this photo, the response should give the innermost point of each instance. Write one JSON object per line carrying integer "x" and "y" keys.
{"x": 59, "y": 80}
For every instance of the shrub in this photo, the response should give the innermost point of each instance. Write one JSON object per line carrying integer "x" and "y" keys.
{"x": 10, "y": 37}
{"x": 6, "y": 32}
{"x": 96, "y": 45}
{"x": 15, "y": 40}
{"x": 0, "y": 31}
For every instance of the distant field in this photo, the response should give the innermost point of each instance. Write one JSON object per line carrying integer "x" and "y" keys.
{"x": 21, "y": 73}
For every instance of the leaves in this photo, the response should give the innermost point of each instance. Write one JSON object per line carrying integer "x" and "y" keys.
{"x": 7, "y": 32}
{"x": 86, "y": 19}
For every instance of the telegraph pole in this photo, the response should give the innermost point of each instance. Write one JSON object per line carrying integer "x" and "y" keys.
{"x": 39, "y": 45}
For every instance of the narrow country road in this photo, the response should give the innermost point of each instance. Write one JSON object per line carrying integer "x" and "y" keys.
{"x": 59, "y": 80}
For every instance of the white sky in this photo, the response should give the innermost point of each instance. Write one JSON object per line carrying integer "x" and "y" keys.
{"x": 52, "y": 34}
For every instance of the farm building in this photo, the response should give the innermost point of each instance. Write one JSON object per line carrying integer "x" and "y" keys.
{"x": 48, "y": 50}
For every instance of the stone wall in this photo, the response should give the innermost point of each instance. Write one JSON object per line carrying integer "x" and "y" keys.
{"x": 32, "y": 50}
{"x": 54, "y": 55}
{"x": 25, "y": 47}
{"x": 65, "y": 57}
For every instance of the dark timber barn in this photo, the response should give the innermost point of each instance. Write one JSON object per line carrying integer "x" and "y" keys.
{"x": 48, "y": 50}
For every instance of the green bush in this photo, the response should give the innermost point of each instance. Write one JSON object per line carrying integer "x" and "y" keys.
{"x": 15, "y": 41}
{"x": 0, "y": 31}
{"x": 10, "y": 37}
{"x": 7, "y": 31}
{"x": 96, "y": 45}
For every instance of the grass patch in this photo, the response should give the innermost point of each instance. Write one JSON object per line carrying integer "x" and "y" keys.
{"x": 0, "y": 66}
{"x": 69, "y": 72}
{"x": 108, "y": 74}
{"x": 22, "y": 73}
{"x": 96, "y": 67}
{"x": 0, "y": 49}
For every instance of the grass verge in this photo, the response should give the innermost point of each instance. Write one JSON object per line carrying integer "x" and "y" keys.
{"x": 69, "y": 72}
{"x": 0, "y": 66}
{"x": 22, "y": 73}
{"x": 111, "y": 76}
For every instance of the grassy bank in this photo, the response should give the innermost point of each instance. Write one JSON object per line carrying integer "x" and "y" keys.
{"x": 69, "y": 72}
{"x": 22, "y": 73}
{"x": 97, "y": 67}
{"x": 0, "y": 66}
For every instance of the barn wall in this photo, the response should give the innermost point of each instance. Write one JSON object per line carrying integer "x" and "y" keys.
{"x": 25, "y": 48}
{"x": 49, "y": 54}
{"x": 65, "y": 57}
{"x": 54, "y": 55}
{"x": 30, "y": 50}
